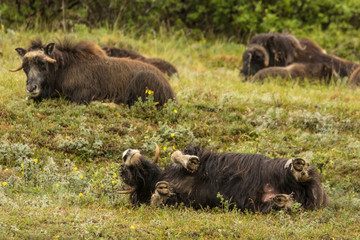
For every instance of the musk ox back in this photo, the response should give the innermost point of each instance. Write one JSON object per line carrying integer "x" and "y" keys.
{"x": 248, "y": 181}
{"x": 82, "y": 72}
{"x": 296, "y": 70}
{"x": 162, "y": 65}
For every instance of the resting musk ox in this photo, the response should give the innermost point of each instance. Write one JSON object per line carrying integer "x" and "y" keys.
{"x": 162, "y": 65}
{"x": 247, "y": 181}
{"x": 276, "y": 49}
{"x": 82, "y": 72}
{"x": 296, "y": 70}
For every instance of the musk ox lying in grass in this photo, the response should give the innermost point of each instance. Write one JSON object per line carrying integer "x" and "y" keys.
{"x": 276, "y": 49}
{"x": 247, "y": 181}
{"x": 296, "y": 70}
{"x": 162, "y": 65}
{"x": 82, "y": 72}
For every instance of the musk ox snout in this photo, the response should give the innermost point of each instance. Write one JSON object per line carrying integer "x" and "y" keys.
{"x": 33, "y": 89}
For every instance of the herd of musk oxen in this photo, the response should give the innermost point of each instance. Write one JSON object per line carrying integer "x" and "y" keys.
{"x": 83, "y": 72}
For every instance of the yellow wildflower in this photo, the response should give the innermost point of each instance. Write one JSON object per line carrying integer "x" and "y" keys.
{"x": 95, "y": 187}
{"x": 22, "y": 165}
{"x": 57, "y": 185}
{"x": 102, "y": 185}
{"x": 4, "y": 183}
{"x": 150, "y": 92}
{"x": 36, "y": 160}
{"x": 164, "y": 148}
{"x": 22, "y": 173}
{"x": 114, "y": 175}
{"x": 146, "y": 91}
{"x": 80, "y": 194}
{"x": 77, "y": 172}
{"x": 3, "y": 27}
{"x": 81, "y": 176}
{"x": 175, "y": 111}
{"x": 172, "y": 134}
{"x": 57, "y": 236}
{"x": 156, "y": 103}
{"x": 113, "y": 182}
{"x": 132, "y": 227}
{"x": 174, "y": 147}
{"x": 75, "y": 168}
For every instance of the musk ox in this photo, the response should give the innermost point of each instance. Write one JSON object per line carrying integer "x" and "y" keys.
{"x": 276, "y": 49}
{"x": 296, "y": 70}
{"x": 162, "y": 65}
{"x": 82, "y": 72}
{"x": 197, "y": 176}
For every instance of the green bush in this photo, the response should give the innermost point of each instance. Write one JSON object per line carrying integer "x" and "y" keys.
{"x": 232, "y": 18}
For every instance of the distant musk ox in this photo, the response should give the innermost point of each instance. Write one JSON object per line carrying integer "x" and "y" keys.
{"x": 296, "y": 70}
{"x": 162, "y": 65}
{"x": 82, "y": 72}
{"x": 247, "y": 181}
{"x": 276, "y": 49}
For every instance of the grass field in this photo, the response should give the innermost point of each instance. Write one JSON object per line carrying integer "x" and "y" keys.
{"x": 59, "y": 161}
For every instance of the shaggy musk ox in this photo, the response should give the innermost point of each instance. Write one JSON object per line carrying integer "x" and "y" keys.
{"x": 162, "y": 65}
{"x": 296, "y": 70}
{"x": 276, "y": 49}
{"x": 248, "y": 181}
{"x": 82, "y": 72}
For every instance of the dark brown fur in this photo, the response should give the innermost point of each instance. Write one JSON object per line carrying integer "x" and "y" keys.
{"x": 296, "y": 70}
{"x": 247, "y": 181}
{"x": 285, "y": 49}
{"x": 83, "y": 73}
{"x": 162, "y": 65}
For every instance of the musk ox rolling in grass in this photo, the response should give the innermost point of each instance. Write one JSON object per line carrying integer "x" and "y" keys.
{"x": 82, "y": 72}
{"x": 296, "y": 70}
{"x": 162, "y": 65}
{"x": 276, "y": 49}
{"x": 247, "y": 181}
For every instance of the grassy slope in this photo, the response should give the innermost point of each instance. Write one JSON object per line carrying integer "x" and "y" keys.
{"x": 78, "y": 148}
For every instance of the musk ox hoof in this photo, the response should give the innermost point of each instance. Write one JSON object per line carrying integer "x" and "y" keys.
{"x": 283, "y": 201}
{"x": 189, "y": 162}
{"x": 162, "y": 192}
{"x": 192, "y": 164}
{"x": 300, "y": 169}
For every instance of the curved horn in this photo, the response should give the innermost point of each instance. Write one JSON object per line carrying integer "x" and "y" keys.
{"x": 131, "y": 190}
{"x": 16, "y": 69}
{"x": 49, "y": 59}
{"x": 157, "y": 153}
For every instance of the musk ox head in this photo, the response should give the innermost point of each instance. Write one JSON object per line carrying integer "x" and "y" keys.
{"x": 140, "y": 175}
{"x": 37, "y": 65}
{"x": 255, "y": 58}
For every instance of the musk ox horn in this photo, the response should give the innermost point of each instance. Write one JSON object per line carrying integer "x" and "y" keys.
{"x": 131, "y": 190}
{"x": 157, "y": 153}
{"x": 257, "y": 47}
{"x": 16, "y": 69}
{"x": 49, "y": 59}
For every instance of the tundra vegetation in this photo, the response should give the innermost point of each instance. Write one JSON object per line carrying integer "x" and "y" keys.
{"x": 59, "y": 161}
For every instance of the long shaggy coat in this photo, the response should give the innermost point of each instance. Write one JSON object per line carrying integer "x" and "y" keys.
{"x": 247, "y": 181}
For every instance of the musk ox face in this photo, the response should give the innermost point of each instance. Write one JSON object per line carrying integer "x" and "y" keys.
{"x": 255, "y": 58}
{"x": 36, "y": 65}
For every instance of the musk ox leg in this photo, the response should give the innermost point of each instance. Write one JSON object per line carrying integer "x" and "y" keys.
{"x": 189, "y": 162}
{"x": 283, "y": 201}
{"x": 161, "y": 194}
{"x": 299, "y": 168}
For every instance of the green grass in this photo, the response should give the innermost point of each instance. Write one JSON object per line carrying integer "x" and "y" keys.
{"x": 70, "y": 191}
